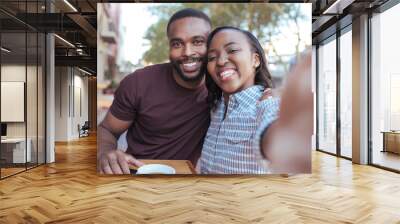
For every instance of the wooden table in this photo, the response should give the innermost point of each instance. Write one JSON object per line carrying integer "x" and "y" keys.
{"x": 180, "y": 166}
{"x": 391, "y": 141}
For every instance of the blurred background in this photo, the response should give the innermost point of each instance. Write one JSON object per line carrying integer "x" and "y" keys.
{"x": 126, "y": 43}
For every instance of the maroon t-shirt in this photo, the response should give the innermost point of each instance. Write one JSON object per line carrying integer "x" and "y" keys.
{"x": 169, "y": 121}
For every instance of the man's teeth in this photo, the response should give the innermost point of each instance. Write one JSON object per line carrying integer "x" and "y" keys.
{"x": 189, "y": 64}
{"x": 226, "y": 74}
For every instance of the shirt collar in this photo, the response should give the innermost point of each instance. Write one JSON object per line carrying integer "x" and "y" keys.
{"x": 247, "y": 97}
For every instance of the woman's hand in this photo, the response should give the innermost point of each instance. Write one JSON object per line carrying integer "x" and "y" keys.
{"x": 287, "y": 142}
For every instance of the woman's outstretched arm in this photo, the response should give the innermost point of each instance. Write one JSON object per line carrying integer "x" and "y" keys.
{"x": 286, "y": 143}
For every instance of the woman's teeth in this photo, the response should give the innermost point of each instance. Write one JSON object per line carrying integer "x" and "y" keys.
{"x": 226, "y": 74}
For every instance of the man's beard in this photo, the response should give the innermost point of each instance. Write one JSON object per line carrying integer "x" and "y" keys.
{"x": 199, "y": 76}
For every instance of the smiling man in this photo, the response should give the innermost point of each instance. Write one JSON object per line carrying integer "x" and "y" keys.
{"x": 162, "y": 106}
{"x": 187, "y": 60}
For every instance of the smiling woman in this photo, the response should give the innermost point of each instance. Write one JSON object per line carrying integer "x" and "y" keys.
{"x": 236, "y": 61}
{"x": 237, "y": 75}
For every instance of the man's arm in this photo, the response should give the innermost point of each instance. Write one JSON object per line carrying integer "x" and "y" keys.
{"x": 110, "y": 160}
{"x": 286, "y": 143}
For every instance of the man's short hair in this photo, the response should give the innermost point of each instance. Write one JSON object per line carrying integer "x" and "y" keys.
{"x": 188, "y": 12}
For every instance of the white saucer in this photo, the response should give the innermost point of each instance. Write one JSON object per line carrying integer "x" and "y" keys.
{"x": 155, "y": 169}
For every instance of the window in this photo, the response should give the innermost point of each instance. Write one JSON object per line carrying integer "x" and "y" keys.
{"x": 22, "y": 65}
{"x": 346, "y": 94}
{"x": 327, "y": 96}
{"x": 385, "y": 89}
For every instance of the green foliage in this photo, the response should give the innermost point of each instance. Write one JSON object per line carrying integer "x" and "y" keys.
{"x": 158, "y": 51}
{"x": 263, "y": 20}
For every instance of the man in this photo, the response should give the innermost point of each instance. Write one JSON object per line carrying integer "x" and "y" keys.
{"x": 163, "y": 106}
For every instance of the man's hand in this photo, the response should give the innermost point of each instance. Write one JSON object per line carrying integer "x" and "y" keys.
{"x": 109, "y": 159}
{"x": 116, "y": 162}
{"x": 268, "y": 93}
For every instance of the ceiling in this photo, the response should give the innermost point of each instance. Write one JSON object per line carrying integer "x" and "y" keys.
{"x": 73, "y": 20}
{"x": 330, "y": 15}
{"x": 76, "y": 22}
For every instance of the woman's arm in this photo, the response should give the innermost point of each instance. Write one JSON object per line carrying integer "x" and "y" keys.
{"x": 286, "y": 143}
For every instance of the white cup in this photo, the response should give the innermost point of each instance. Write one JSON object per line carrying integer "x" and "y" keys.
{"x": 155, "y": 169}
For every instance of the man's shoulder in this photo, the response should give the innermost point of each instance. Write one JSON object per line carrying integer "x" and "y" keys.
{"x": 149, "y": 76}
{"x": 153, "y": 70}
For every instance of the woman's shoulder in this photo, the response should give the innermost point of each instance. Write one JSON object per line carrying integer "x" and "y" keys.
{"x": 271, "y": 102}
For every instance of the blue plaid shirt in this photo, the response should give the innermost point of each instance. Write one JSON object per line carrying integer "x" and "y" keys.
{"x": 232, "y": 145}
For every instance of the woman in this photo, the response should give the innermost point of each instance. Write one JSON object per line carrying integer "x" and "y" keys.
{"x": 237, "y": 75}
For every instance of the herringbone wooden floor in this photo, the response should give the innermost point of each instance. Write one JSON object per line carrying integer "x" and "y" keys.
{"x": 70, "y": 191}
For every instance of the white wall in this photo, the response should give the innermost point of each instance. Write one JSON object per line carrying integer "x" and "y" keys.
{"x": 61, "y": 103}
{"x": 81, "y": 84}
{"x": 17, "y": 73}
{"x": 14, "y": 73}
{"x": 71, "y": 93}
{"x": 34, "y": 124}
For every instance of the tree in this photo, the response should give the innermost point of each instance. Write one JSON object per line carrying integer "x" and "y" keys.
{"x": 263, "y": 20}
